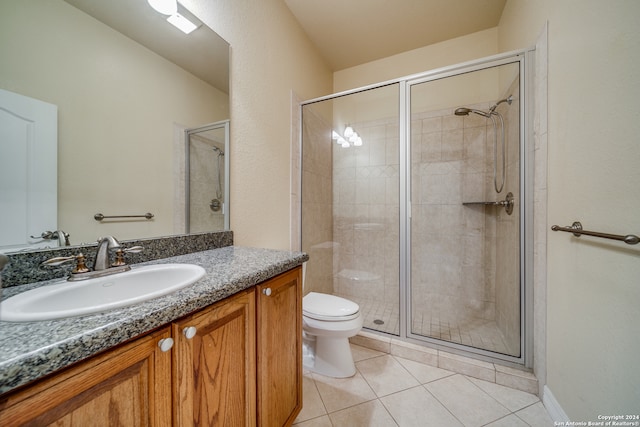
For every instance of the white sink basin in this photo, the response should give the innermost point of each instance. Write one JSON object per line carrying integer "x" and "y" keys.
{"x": 67, "y": 299}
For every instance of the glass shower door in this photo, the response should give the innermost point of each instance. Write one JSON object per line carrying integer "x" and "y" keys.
{"x": 350, "y": 201}
{"x": 465, "y": 224}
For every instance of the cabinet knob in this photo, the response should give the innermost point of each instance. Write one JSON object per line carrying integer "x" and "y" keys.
{"x": 189, "y": 332}
{"x": 165, "y": 344}
{"x": 267, "y": 291}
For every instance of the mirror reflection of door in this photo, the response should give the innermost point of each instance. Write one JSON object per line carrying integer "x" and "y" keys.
{"x": 207, "y": 178}
{"x": 28, "y": 170}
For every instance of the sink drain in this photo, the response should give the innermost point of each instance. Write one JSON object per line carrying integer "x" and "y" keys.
{"x": 378, "y": 322}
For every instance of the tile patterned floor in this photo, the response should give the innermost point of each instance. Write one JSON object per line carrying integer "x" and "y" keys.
{"x": 477, "y": 333}
{"x": 391, "y": 391}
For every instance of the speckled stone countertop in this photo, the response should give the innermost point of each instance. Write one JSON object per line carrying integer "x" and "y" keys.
{"x": 30, "y": 350}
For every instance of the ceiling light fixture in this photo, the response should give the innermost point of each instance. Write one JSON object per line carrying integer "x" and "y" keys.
{"x": 182, "y": 23}
{"x": 170, "y": 7}
{"x": 350, "y": 138}
{"x": 165, "y": 7}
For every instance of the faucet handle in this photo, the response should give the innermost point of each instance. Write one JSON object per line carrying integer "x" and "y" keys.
{"x": 58, "y": 260}
{"x": 80, "y": 262}
{"x": 120, "y": 254}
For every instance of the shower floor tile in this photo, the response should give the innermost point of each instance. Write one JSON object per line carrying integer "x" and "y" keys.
{"x": 385, "y": 317}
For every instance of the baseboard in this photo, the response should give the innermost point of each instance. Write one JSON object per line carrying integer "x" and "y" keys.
{"x": 553, "y": 407}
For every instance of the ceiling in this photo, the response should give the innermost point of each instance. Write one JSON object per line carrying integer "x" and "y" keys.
{"x": 346, "y": 32}
{"x": 138, "y": 21}
{"x": 353, "y": 32}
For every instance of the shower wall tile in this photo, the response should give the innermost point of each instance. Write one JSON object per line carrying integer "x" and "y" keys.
{"x": 429, "y": 124}
{"x": 430, "y": 147}
{"x": 378, "y": 152}
{"x": 475, "y": 120}
{"x": 366, "y": 204}
{"x": 451, "y": 170}
{"x": 473, "y": 189}
{"x": 317, "y": 207}
{"x": 452, "y": 145}
{"x": 473, "y": 218}
{"x": 449, "y": 121}
{"x": 343, "y": 159}
{"x": 472, "y": 253}
{"x": 362, "y": 154}
{"x": 475, "y": 149}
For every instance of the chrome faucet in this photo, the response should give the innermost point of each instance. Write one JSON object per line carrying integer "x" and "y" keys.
{"x": 102, "y": 265}
{"x": 102, "y": 255}
{"x": 61, "y": 235}
{"x": 58, "y": 235}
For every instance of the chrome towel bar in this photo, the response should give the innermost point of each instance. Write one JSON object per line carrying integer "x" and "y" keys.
{"x": 100, "y": 217}
{"x": 576, "y": 229}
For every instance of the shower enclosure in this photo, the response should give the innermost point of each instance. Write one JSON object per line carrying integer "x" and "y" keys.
{"x": 414, "y": 202}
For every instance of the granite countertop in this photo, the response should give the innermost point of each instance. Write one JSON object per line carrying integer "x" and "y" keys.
{"x": 30, "y": 350}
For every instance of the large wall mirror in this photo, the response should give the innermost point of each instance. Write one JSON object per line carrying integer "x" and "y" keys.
{"x": 126, "y": 87}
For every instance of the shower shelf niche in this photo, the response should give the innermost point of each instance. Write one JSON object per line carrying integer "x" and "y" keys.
{"x": 507, "y": 203}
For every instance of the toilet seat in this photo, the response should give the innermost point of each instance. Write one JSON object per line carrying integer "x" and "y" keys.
{"x": 329, "y": 307}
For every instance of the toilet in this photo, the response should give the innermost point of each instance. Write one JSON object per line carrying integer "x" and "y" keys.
{"x": 328, "y": 322}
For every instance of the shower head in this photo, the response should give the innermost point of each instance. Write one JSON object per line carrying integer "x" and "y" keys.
{"x": 464, "y": 111}
{"x": 219, "y": 151}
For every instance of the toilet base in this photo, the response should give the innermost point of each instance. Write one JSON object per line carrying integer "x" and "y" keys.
{"x": 328, "y": 356}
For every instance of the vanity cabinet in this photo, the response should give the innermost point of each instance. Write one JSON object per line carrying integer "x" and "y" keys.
{"x": 237, "y": 362}
{"x": 214, "y": 365}
{"x": 127, "y": 386}
{"x": 279, "y": 312}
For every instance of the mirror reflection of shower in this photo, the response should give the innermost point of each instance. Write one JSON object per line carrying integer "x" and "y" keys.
{"x": 216, "y": 204}
{"x": 207, "y": 178}
{"x": 491, "y": 114}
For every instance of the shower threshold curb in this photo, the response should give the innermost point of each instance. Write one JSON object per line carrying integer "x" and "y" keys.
{"x": 487, "y": 371}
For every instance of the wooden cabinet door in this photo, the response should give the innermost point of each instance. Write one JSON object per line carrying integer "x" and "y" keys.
{"x": 214, "y": 370}
{"x": 126, "y": 386}
{"x": 279, "y": 386}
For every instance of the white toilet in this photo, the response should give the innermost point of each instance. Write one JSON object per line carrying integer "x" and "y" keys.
{"x": 328, "y": 322}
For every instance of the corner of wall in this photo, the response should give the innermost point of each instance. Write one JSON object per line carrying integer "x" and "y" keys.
{"x": 295, "y": 181}
{"x": 540, "y": 211}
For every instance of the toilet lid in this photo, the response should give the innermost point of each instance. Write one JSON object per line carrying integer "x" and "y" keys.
{"x": 328, "y": 307}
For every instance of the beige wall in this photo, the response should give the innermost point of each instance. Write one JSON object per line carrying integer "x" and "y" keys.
{"x": 593, "y": 320}
{"x": 115, "y": 127}
{"x": 270, "y": 58}
{"x": 461, "y": 49}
